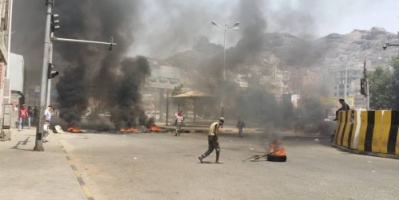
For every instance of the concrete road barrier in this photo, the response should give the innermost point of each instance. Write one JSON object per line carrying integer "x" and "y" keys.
{"x": 368, "y": 131}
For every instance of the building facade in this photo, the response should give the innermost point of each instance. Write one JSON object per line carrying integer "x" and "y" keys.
{"x": 5, "y": 8}
{"x": 348, "y": 80}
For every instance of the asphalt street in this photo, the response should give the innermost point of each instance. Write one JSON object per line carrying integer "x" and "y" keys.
{"x": 162, "y": 166}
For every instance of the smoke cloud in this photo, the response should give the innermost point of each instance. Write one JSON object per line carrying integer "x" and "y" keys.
{"x": 160, "y": 29}
{"x": 94, "y": 66}
{"x": 72, "y": 98}
{"x": 127, "y": 110}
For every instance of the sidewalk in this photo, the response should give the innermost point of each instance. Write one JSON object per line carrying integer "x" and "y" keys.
{"x": 29, "y": 175}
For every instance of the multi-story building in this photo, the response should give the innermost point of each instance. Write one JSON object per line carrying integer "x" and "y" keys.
{"x": 310, "y": 78}
{"x": 241, "y": 80}
{"x": 350, "y": 78}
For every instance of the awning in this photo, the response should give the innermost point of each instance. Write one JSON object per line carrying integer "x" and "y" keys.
{"x": 192, "y": 94}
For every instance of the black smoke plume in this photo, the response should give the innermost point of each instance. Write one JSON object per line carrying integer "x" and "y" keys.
{"x": 127, "y": 111}
{"x": 72, "y": 98}
{"x": 95, "y": 69}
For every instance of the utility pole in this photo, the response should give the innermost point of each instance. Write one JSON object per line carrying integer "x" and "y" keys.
{"x": 47, "y": 69}
{"x": 364, "y": 86}
{"x": 367, "y": 86}
{"x": 39, "y": 128}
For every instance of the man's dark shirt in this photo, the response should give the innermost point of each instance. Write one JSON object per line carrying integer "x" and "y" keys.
{"x": 345, "y": 106}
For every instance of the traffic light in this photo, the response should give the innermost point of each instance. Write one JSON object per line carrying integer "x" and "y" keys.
{"x": 51, "y": 73}
{"x": 55, "y": 22}
{"x": 363, "y": 87}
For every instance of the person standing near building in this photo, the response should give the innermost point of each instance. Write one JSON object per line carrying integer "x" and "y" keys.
{"x": 240, "y": 125}
{"x": 35, "y": 119}
{"x": 30, "y": 115}
{"x": 23, "y": 114}
{"x": 47, "y": 119}
{"x": 213, "y": 142}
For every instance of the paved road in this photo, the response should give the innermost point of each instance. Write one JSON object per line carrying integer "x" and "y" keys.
{"x": 162, "y": 166}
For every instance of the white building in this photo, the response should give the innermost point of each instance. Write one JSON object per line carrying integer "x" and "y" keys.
{"x": 241, "y": 81}
{"x": 17, "y": 72}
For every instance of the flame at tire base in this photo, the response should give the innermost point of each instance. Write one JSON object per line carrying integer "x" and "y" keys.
{"x": 74, "y": 129}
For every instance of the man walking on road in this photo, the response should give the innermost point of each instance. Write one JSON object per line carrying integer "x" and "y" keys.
{"x": 213, "y": 142}
{"x": 240, "y": 125}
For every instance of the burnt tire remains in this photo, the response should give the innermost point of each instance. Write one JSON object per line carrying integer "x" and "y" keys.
{"x": 275, "y": 158}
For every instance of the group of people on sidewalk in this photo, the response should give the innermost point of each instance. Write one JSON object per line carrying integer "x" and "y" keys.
{"x": 24, "y": 113}
{"x": 26, "y": 116}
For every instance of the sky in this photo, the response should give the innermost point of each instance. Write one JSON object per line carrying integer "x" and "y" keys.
{"x": 309, "y": 18}
{"x": 162, "y": 28}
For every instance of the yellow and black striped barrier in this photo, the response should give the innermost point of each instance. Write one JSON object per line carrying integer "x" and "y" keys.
{"x": 368, "y": 131}
{"x": 389, "y": 143}
{"x": 345, "y": 129}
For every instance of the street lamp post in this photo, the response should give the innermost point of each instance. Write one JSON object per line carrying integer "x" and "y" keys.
{"x": 386, "y": 45}
{"x": 225, "y": 28}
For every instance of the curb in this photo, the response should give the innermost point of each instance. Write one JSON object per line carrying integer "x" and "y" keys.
{"x": 205, "y": 129}
{"x": 78, "y": 176}
{"x": 382, "y": 155}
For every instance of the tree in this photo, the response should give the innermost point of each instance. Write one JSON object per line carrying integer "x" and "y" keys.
{"x": 395, "y": 84}
{"x": 381, "y": 88}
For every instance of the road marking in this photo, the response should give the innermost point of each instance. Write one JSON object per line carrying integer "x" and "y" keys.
{"x": 79, "y": 178}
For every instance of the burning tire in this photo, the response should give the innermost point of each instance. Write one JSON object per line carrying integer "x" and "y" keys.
{"x": 277, "y": 152}
{"x": 275, "y": 158}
